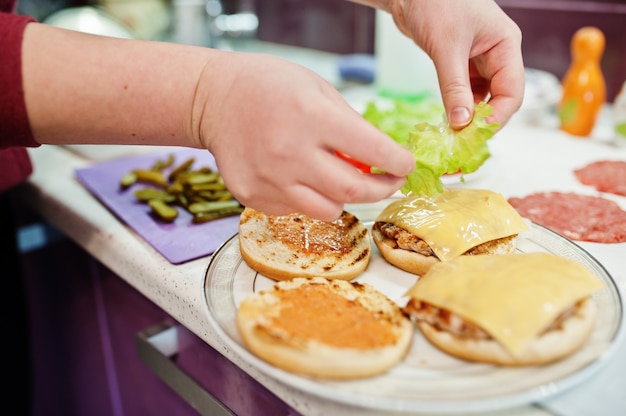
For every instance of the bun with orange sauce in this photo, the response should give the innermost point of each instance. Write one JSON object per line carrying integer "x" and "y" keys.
{"x": 323, "y": 328}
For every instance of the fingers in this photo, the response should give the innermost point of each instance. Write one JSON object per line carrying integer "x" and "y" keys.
{"x": 326, "y": 204}
{"x": 456, "y": 91}
{"x": 476, "y": 50}
{"x": 329, "y": 204}
{"x": 308, "y": 202}
{"x": 333, "y": 125}
{"x": 501, "y": 82}
{"x": 350, "y": 134}
{"x": 507, "y": 86}
{"x": 330, "y": 182}
{"x": 317, "y": 185}
{"x": 505, "y": 104}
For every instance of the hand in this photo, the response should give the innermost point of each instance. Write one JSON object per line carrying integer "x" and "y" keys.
{"x": 476, "y": 49}
{"x": 274, "y": 127}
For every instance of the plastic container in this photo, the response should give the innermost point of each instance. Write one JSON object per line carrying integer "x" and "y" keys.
{"x": 403, "y": 70}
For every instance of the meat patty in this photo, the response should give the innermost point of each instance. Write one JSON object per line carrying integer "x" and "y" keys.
{"x": 445, "y": 320}
{"x": 408, "y": 241}
{"x": 578, "y": 217}
{"x": 604, "y": 175}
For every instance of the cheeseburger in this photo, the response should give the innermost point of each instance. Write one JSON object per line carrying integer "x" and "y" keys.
{"x": 415, "y": 232}
{"x": 509, "y": 309}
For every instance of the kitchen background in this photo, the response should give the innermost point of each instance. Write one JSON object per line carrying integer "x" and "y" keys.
{"x": 346, "y": 28}
{"x": 85, "y": 319}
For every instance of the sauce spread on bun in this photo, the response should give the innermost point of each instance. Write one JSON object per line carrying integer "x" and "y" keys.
{"x": 325, "y": 328}
{"x": 318, "y": 313}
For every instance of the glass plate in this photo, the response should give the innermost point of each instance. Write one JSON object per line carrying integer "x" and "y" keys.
{"x": 427, "y": 380}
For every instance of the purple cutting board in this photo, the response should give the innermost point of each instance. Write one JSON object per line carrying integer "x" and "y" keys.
{"x": 179, "y": 241}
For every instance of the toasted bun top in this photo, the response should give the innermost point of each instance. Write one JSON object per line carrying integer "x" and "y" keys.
{"x": 513, "y": 297}
{"x": 325, "y": 328}
{"x": 455, "y": 220}
{"x": 296, "y": 245}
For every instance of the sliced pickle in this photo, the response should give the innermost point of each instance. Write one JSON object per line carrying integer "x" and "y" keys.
{"x": 153, "y": 177}
{"x": 201, "y": 191}
{"x": 163, "y": 210}
{"x": 128, "y": 180}
{"x": 148, "y": 194}
{"x": 212, "y": 206}
{"x": 215, "y": 215}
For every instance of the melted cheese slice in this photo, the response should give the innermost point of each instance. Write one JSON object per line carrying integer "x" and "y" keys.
{"x": 455, "y": 220}
{"x": 513, "y": 297}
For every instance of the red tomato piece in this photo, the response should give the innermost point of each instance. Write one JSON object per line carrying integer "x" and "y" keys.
{"x": 363, "y": 167}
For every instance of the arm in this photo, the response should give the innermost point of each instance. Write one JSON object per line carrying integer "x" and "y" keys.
{"x": 272, "y": 126}
{"x": 476, "y": 49}
{"x": 81, "y": 88}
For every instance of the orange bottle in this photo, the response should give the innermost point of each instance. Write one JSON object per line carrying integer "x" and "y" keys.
{"x": 584, "y": 87}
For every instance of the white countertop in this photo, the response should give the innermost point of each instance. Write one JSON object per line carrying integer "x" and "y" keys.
{"x": 525, "y": 159}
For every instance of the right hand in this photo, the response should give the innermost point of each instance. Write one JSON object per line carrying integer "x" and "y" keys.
{"x": 476, "y": 49}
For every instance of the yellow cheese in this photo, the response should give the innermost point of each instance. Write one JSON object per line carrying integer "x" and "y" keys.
{"x": 513, "y": 297}
{"x": 455, "y": 220}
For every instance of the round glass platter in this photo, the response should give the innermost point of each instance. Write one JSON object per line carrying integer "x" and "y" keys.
{"x": 428, "y": 380}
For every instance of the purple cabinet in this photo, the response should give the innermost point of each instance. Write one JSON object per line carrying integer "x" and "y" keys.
{"x": 85, "y": 328}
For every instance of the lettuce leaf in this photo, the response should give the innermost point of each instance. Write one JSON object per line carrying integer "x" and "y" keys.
{"x": 439, "y": 149}
{"x": 396, "y": 118}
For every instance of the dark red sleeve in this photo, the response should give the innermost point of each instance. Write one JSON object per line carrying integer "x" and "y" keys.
{"x": 15, "y": 132}
{"x": 14, "y": 126}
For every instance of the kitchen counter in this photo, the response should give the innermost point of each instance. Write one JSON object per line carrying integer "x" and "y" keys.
{"x": 526, "y": 157}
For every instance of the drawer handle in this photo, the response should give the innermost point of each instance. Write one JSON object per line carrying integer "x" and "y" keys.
{"x": 155, "y": 346}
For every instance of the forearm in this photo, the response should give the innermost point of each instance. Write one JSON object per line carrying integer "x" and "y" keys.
{"x": 84, "y": 89}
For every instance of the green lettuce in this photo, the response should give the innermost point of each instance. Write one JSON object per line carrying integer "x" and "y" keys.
{"x": 396, "y": 118}
{"x": 439, "y": 149}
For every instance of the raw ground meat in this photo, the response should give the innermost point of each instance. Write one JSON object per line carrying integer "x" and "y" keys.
{"x": 577, "y": 217}
{"x": 605, "y": 176}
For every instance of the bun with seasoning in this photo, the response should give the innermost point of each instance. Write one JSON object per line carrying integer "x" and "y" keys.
{"x": 323, "y": 328}
{"x": 416, "y": 232}
{"x": 511, "y": 310}
{"x": 296, "y": 245}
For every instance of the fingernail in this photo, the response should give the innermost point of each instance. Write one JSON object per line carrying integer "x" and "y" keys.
{"x": 460, "y": 116}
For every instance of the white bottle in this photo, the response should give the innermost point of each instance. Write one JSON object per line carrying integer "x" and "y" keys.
{"x": 191, "y": 22}
{"x": 619, "y": 116}
{"x": 403, "y": 70}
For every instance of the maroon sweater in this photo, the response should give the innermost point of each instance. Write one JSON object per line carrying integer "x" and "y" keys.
{"x": 15, "y": 132}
